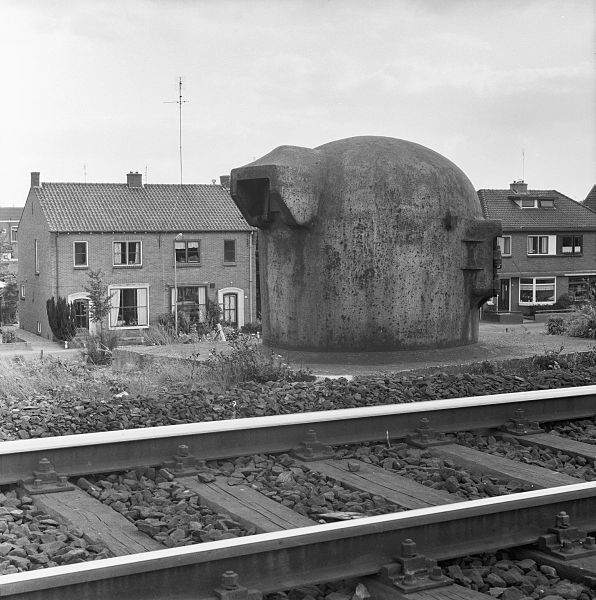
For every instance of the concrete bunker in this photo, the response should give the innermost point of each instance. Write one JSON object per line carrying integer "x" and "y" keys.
{"x": 367, "y": 243}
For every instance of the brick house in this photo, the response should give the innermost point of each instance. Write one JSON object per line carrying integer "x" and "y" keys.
{"x": 548, "y": 247}
{"x": 156, "y": 245}
{"x": 9, "y": 224}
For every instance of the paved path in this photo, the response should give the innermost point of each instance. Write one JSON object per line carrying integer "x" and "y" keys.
{"x": 496, "y": 342}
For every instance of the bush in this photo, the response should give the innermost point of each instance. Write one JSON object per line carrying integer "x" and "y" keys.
{"x": 556, "y": 326}
{"x": 252, "y": 327}
{"x": 564, "y": 301}
{"x": 248, "y": 361}
{"x": 159, "y": 335}
{"x": 100, "y": 347}
{"x": 61, "y": 317}
{"x": 584, "y": 323}
{"x": 8, "y": 336}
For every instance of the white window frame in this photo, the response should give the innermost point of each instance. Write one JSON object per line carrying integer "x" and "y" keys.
{"x": 177, "y": 246}
{"x": 74, "y": 254}
{"x": 22, "y": 291}
{"x": 551, "y": 244}
{"x": 13, "y": 233}
{"x": 114, "y": 311}
{"x": 241, "y": 298}
{"x": 573, "y": 249}
{"x": 501, "y": 243}
{"x": 533, "y": 302}
{"x": 127, "y": 264}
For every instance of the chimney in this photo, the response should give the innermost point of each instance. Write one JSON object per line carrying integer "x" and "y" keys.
{"x": 35, "y": 179}
{"x": 134, "y": 180}
{"x": 224, "y": 181}
{"x": 519, "y": 187}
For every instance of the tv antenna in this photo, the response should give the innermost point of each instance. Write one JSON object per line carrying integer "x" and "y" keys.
{"x": 179, "y": 102}
{"x": 523, "y": 164}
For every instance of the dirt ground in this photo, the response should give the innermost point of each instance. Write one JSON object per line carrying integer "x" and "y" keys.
{"x": 495, "y": 342}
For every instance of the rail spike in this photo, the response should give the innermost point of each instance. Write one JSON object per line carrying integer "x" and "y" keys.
{"x": 413, "y": 572}
{"x": 426, "y": 436}
{"x": 45, "y": 480}
{"x": 312, "y": 449}
{"x": 232, "y": 590}
{"x": 519, "y": 424}
{"x": 565, "y": 541}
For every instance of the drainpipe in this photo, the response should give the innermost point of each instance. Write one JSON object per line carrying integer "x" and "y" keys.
{"x": 56, "y": 259}
{"x": 250, "y": 274}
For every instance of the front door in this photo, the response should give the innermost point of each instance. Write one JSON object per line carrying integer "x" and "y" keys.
{"x": 503, "y": 305}
{"x": 230, "y": 309}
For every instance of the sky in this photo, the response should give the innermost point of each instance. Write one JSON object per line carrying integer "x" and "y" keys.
{"x": 505, "y": 90}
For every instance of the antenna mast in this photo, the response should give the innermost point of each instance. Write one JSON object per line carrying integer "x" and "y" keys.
{"x": 179, "y": 102}
{"x": 523, "y": 165}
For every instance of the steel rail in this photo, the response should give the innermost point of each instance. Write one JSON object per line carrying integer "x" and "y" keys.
{"x": 80, "y": 454}
{"x": 282, "y": 560}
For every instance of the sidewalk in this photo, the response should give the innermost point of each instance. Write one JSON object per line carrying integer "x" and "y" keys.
{"x": 39, "y": 346}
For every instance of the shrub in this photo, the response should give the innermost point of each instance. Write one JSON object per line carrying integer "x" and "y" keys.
{"x": 555, "y": 326}
{"x": 159, "y": 335}
{"x": 10, "y": 302}
{"x": 564, "y": 301}
{"x": 584, "y": 323}
{"x": 61, "y": 316}
{"x": 8, "y": 336}
{"x": 100, "y": 347}
{"x": 252, "y": 327}
{"x": 247, "y": 361}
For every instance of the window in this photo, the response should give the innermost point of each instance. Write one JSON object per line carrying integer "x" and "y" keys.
{"x": 130, "y": 307}
{"x": 81, "y": 310}
{"x": 80, "y": 254}
{"x": 188, "y": 252}
{"x": 36, "y": 259}
{"x": 13, "y": 233}
{"x": 22, "y": 291}
{"x": 547, "y": 203}
{"x": 528, "y": 203}
{"x": 127, "y": 253}
{"x": 229, "y": 251}
{"x": 504, "y": 244}
{"x": 192, "y": 301}
{"x": 230, "y": 309}
{"x": 537, "y": 290}
{"x": 572, "y": 244}
{"x": 538, "y": 244}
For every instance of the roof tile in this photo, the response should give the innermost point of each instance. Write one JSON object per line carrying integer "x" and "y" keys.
{"x": 567, "y": 214}
{"x": 71, "y": 207}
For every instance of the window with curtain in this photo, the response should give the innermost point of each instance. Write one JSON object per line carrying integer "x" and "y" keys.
{"x": 192, "y": 301}
{"x": 130, "y": 307}
{"x": 188, "y": 252}
{"x": 127, "y": 253}
{"x": 537, "y": 290}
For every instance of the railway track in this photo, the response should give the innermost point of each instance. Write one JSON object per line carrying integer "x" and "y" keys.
{"x": 314, "y": 553}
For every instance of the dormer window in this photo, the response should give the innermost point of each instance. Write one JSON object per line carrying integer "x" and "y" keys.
{"x": 533, "y": 202}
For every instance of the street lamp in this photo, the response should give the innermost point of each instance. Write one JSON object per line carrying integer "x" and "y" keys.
{"x": 176, "y": 285}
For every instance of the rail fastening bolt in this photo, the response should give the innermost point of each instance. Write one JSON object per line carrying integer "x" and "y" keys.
{"x": 44, "y": 465}
{"x": 408, "y": 548}
{"x": 563, "y": 520}
{"x": 229, "y": 580}
{"x": 183, "y": 450}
